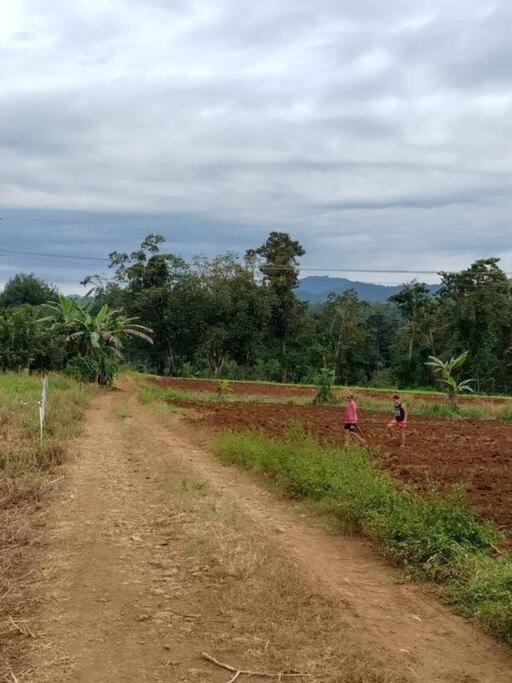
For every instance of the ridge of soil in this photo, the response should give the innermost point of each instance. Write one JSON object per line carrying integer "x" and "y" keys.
{"x": 240, "y": 388}
{"x": 473, "y": 452}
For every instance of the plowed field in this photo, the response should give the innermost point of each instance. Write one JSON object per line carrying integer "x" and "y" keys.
{"x": 289, "y": 391}
{"x": 474, "y": 452}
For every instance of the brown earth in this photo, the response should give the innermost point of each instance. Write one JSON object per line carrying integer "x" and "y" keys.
{"x": 297, "y": 390}
{"x": 473, "y": 452}
{"x": 157, "y": 552}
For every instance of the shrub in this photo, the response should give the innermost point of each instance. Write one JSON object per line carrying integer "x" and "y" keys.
{"x": 324, "y": 392}
{"x": 83, "y": 369}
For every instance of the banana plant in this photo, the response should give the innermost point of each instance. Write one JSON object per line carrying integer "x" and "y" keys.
{"x": 445, "y": 370}
{"x": 98, "y": 335}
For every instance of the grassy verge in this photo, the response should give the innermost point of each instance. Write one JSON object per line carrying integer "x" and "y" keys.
{"x": 437, "y": 538}
{"x": 27, "y": 476}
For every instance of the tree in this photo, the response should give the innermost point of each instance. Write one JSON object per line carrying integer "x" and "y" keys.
{"x": 476, "y": 306}
{"x": 347, "y": 336}
{"x": 26, "y": 289}
{"x": 445, "y": 371}
{"x": 280, "y": 268}
{"x": 145, "y": 283}
{"x": 237, "y": 312}
{"x": 94, "y": 335}
{"x": 24, "y": 344}
{"x": 415, "y": 340}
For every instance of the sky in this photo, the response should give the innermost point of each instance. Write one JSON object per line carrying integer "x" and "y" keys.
{"x": 377, "y": 132}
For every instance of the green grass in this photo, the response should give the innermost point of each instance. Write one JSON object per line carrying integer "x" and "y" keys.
{"x": 435, "y": 537}
{"x": 23, "y": 458}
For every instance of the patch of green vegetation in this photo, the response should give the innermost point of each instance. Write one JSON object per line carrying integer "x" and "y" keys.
{"x": 435, "y": 537}
{"x": 23, "y": 458}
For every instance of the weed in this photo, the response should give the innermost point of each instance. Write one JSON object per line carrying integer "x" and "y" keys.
{"x": 324, "y": 392}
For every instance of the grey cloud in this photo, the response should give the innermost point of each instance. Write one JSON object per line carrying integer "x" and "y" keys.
{"x": 374, "y": 126}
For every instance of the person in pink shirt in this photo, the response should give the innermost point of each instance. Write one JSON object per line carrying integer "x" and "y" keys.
{"x": 351, "y": 422}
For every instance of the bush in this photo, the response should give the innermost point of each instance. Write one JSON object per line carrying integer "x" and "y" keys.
{"x": 83, "y": 369}
{"x": 324, "y": 392}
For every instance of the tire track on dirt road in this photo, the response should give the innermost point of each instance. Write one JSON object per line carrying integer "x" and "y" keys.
{"x": 146, "y": 566}
{"x": 434, "y": 644}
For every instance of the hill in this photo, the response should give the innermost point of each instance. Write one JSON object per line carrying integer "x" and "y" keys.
{"x": 316, "y": 288}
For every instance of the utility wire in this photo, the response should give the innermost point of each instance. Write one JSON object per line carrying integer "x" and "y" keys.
{"x": 391, "y": 271}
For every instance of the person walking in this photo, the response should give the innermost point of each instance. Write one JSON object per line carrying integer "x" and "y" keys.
{"x": 351, "y": 421}
{"x": 399, "y": 420}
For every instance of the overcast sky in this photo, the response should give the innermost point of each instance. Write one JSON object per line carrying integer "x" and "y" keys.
{"x": 378, "y": 132}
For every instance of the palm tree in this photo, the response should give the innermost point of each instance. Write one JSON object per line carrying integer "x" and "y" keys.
{"x": 445, "y": 371}
{"x": 97, "y": 335}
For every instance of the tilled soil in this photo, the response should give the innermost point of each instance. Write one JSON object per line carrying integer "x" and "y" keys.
{"x": 473, "y": 452}
{"x": 297, "y": 390}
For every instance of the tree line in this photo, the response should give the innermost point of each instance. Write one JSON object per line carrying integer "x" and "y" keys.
{"x": 240, "y": 318}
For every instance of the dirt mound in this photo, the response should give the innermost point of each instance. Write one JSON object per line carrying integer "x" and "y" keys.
{"x": 474, "y": 452}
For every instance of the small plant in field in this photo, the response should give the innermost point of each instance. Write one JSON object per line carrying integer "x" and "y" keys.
{"x": 445, "y": 372}
{"x": 324, "y": 392}
{"x": 223, "y": 386}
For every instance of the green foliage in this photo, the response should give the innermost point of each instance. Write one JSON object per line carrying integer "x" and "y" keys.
{"x": 96, "y": 335}
{"x": 436, "y": 537}
{"x": 222, "y": 389}
{"x": 26, "y": 289}
{"x": 24, "y": 344}
{"x": 222, "y": 317}
{"x": 324, "y": 392}
{"x": 280, "y": 267}
{"x": 445, "y": 370}
{"x": 83, "y": 369}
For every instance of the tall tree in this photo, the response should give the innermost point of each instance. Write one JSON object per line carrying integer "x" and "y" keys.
{"x": 280, "y": 268}
{"x": 347, "y": 336}
{"x": 144, "y": 282}
{"x": 476, "y": 308}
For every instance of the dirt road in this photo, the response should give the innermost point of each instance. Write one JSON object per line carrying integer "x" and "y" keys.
{"x": 158, "y": 553}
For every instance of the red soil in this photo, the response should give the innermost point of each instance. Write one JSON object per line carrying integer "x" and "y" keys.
{"x": 474, "y": 452}
{"x": 297, "y": 390}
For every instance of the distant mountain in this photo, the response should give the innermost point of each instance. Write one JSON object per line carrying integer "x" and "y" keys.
{"x": 316, "y": 288}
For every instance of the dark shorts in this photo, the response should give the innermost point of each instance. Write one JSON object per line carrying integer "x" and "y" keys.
{"x": 351, "y": 427}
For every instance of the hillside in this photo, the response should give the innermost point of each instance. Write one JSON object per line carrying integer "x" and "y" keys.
{"x": 315, "y": 289}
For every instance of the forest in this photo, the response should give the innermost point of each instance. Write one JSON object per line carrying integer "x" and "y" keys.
{"x": 240, "y": 318}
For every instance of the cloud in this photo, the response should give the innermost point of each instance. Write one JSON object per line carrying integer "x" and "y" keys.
{"x": 376, "y": 131}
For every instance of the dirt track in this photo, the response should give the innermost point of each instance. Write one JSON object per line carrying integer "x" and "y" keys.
{"x": 473, "y": 452}
{"x": 134, "y": 594}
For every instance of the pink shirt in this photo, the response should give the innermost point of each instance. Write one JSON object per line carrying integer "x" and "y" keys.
{"x": 351, "y": 413}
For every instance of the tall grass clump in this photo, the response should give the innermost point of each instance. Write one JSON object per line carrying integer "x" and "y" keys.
{"x": 436, "y": 537}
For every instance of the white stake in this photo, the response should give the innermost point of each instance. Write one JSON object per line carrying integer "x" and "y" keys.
{"x": 42, "y": 405}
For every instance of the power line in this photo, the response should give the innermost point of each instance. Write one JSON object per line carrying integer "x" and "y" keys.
{"x": 35, "y": 254}
{"x": 389, "y": 271}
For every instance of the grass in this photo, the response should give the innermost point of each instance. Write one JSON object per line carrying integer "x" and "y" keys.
{"x": 27, "y": 477}
{"x": 437, "y": 538}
